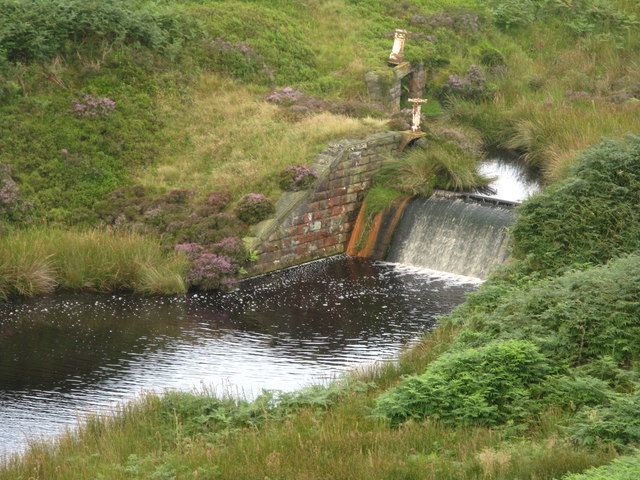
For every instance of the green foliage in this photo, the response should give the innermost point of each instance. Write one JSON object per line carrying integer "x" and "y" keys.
{"x": 204, "y": 415}
{"x": 446, "y": 159}
{"x": 249, "y": 42}
{"x": 379, "y": 198}
{"x": 513, "y": 13}
{"x": 617, "y": 422}
{"x": 576, "y": 318}
{"x": 623, "y": 468}
{"x": 39, "y": 29}
{"x": 486, "y": 386}
{"x": 590, "y": 217}
{"x": 585, "y": 17}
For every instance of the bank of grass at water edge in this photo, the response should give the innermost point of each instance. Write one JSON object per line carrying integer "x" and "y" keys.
{"x": 316, "y": 433}
{"x": 41, "y": 260}
{"x": 534, "y": 377}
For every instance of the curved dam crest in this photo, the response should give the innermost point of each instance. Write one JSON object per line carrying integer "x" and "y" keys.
{"x": 452, "y": 234}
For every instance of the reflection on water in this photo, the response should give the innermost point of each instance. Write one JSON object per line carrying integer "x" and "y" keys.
{"x": 65, "y": 355}
{"x": 515, "y": 181}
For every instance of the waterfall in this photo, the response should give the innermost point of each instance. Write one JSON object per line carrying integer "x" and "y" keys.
{"x": 452, "y": 234}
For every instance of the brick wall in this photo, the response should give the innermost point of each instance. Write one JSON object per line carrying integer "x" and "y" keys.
{"x": 317, "y": 223}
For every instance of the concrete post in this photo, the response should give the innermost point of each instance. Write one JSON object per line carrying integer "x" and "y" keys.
{"x": 397, "y": 55}
{"x": 416, "y": 114}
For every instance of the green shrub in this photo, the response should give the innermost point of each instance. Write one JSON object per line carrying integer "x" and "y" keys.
{"x": 486, "y": 386}
{"x": 590, "y": 217}
{"x": 39, "y": 29}
{"x": 623, "y": 468}
{"x": 617, "y": 422}
{"x": 577, "y": 318}
{"x": 513, "y": 13}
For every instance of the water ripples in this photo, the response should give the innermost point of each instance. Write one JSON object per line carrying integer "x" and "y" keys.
{"x": 65, "y": 355}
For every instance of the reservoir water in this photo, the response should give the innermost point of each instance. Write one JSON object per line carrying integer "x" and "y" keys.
{"x": 66, "y": 355}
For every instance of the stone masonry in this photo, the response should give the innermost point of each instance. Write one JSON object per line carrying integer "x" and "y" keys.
{"x": 317, "y": 223}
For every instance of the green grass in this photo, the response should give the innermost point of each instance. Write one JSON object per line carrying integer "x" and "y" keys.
{"x": 39, "y": 261}
{"x": 229, "y": 138}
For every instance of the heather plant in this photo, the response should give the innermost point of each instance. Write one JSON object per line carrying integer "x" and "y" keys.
{"x": 253, "y": 208}
{"x": 298, "y": 102}
{"x": 294, "y": 178}
{"x": 91, "y": 106}
{"x": 460, "y": 20}
{"x": 219, "y": 200}
{"x": 239, "y": 59}
{"x": 211, "y": 271}
{"x": 472, "y": 86}
{"x": 9, "y": 194}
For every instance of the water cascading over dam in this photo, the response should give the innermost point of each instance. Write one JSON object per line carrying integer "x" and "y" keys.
{"x": 452, "y": 234}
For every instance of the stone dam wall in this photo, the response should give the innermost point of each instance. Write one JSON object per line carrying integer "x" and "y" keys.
{"x": 317, "y": 223}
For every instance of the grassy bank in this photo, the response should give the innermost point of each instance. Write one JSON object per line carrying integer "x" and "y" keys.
{"x": 40, "y": 261}
{"x": 534, "y": 377}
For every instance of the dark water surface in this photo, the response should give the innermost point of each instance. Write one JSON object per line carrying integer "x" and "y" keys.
{"x": 65, "y": 355}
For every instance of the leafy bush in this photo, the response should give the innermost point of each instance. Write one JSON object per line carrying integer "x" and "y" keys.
{"x": 484, "y": 386}
{"x": 294, "y": 178}
{"x": 617, "y": 422}
{"x": 513, "y": 13}
{"x": 577, "y": 318}
{"x": 254, "y": 207}
{"x": 39, "y": 29}
{"x": 590, "y": 217}
{"x": 623, "y": 468}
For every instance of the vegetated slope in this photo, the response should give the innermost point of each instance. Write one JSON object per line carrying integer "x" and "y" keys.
{"x": 533, "y": 377}
{"x": 96, "y": 94}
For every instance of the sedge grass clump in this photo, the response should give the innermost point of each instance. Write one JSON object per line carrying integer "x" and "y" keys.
{"x": 37, "y": 261}
{"x": 449, "y": 160}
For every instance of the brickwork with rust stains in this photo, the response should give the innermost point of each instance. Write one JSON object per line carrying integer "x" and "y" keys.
{"x": 318, "y": 223}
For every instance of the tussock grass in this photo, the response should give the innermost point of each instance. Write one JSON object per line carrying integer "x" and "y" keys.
{"x": 37, "y": 261}
{"x": 553, "y": 135}
{"x": 229, "y": 138}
